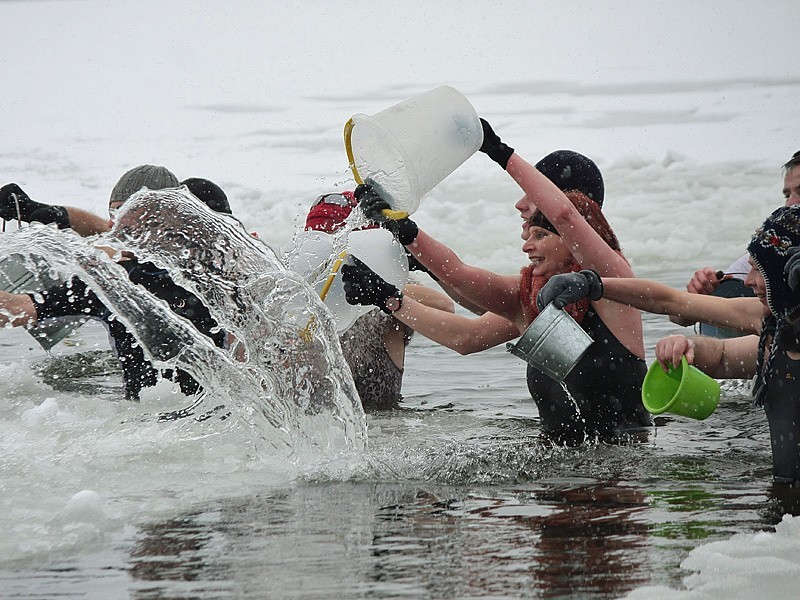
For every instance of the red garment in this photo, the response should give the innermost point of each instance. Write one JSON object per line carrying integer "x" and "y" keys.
{"x": 529, "y": 287}
{"x": 328, "y": 216}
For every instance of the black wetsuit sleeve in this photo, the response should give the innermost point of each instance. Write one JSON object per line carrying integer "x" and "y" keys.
{"x": 76, "y": 298}
{"x": 73, "y": 298}
{"x": 181, "y": 301}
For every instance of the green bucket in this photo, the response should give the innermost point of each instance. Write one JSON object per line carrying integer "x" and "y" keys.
{"x": 684, "y": 390}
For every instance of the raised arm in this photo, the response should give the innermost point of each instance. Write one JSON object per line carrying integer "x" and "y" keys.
{"x": 488, "y": 290}
{"x": 589, "y": 249}
{"x": 587, "y": 246}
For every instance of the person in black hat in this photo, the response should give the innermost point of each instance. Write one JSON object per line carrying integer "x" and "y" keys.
{"x": 209, "y": 193}
{"x": 770, "y": 322}
{"x": 569, "y": 171}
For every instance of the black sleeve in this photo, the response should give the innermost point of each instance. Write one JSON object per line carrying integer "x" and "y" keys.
{"x": 73, "y": 298}
{"x": 181, "y": 301}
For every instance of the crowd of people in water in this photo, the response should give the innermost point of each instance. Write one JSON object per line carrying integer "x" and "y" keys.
{"x": 575, "y": 261}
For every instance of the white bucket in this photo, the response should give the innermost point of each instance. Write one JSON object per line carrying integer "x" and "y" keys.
{"x": 376, "y": 248}
{"x": 553, "y": 343}
{"x": 407, "y": 149}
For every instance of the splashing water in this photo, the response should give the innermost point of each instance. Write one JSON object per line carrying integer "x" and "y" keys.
{"x": 287, "y": 392}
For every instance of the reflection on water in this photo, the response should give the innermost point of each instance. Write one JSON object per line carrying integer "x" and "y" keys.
{"x": 567, "y": 538}
{"x": 450, "y": 503}
{"x": 592, "y": 522}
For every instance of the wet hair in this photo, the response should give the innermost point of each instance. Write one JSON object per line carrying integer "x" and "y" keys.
{"x": 792, "y": 162}
{"x": 589, "y": 210}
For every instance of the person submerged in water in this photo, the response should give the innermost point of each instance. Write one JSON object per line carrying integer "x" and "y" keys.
{"x": 770, "y": 348}
{"x": 601, "y": 398}
{"x": 375, "y": 345}
{"x": 75, "y": 298}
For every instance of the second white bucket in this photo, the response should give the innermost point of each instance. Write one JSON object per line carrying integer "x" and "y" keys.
{"x": 407, "y": 149}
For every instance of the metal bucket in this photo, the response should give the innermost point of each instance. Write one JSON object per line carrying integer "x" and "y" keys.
{"x": 553, "y": 343}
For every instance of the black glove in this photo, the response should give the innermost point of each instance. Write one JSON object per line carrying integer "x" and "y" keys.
{"x": 29, "y": 210}
{"x": 364, "y": 286}
{"x": 51, "y": 214}
{"x": 792, "y": 268}
{"x": 8, "y": 204}
{"x": 493, "y": 147}
{"x": 372, "y": 205}
{"x": 567, "y": 288}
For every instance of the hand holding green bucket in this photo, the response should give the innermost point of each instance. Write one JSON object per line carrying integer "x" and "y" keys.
{"x": 685, "y": 390}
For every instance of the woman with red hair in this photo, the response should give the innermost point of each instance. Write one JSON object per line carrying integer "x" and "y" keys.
{"x": 601, "y": 398}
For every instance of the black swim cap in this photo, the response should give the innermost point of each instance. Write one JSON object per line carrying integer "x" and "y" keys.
{"x": 570, "y": 170}
{"x": 210, "y": 193}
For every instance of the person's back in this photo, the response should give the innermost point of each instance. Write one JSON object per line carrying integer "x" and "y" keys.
{"x": 378, "y": 379}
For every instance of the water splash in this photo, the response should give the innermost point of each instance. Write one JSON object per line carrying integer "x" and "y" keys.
{"x": 288, "y": 393}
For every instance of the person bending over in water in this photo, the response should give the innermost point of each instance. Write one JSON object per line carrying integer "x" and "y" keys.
{"x": 567, "y": 233}
{"x": 770, "y": 351}
{"x": 75, "y": 298}
{"x": 375, "y": 345}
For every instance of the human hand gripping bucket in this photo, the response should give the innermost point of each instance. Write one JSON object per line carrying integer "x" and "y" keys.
{"x": 377, "y": 248}
{"x": 684, "y": 390}
{"x": 553, "y": 343}
{"x": 405, "y": 150}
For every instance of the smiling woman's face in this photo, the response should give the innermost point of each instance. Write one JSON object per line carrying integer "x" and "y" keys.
{"x": 547, "y": 252}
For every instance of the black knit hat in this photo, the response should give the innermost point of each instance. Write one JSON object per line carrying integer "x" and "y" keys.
{"x": 570, "y": 170}
{"x": 208, "y": 192}
{"x": 148, "y": 176}
{"x": 768, "y": 247}
{"x": 769, "y": 250}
